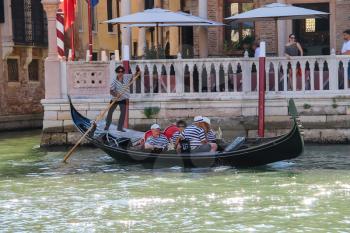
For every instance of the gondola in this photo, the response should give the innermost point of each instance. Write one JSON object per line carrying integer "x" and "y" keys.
{"x": 250, "y": 152}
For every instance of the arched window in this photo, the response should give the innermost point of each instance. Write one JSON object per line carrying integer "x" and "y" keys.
{"x": 237, "y": 32}
{"x": 29, "y": 22}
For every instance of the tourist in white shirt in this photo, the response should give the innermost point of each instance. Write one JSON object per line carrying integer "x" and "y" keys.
{"x": 346, "y": 48}
{"x": 256, "y": 48}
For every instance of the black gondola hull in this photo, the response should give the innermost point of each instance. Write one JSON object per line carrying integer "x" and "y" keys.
{"x": 285, "y": 147}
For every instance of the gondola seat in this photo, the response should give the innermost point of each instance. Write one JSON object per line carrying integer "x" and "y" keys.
{"x": 236, "y": 144}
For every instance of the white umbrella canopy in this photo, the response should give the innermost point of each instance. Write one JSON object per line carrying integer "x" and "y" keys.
{"x": 208, "y": 22}
{"x": 277, "y": 11}
{"x": 156, "y": 16}
{"x": 176, "y": 25}
{"x": 203, "y": 22}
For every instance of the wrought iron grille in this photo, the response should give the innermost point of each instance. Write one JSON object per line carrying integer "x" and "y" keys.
{"x": 12, "y": 70}
{"x": 29, "y": 23}
{"x": 33, "y": 70}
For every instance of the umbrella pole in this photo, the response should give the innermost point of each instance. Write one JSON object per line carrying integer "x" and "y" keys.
{"x": 276, "y": 37}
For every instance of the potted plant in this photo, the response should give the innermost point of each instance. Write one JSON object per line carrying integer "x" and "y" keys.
{"x": 239, "y": 47}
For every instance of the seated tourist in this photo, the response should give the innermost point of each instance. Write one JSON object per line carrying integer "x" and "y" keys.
{"x": 156, "y": 141}
{"x": 211, "y": 136}
{"x": 195, "y": 134}
{"x": 175, "y": 139}
{"x": 181, "y": 125}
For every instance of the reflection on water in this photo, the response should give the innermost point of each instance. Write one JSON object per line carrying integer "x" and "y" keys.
{"x": 93, "y": 194}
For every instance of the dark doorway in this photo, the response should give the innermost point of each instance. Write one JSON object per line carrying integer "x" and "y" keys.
{"x": 313, "y": 34}
{"x": 187, "y": 42}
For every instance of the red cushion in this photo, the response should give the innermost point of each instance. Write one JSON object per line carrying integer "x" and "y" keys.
{"x": 147, "y": 135}
{"x": 170, "y": 130}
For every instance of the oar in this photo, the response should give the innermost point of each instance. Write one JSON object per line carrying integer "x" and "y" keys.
{"x": 100, "y": 116}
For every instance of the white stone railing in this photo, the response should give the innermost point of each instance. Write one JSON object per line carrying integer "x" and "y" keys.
{"x": 205, "y": 78}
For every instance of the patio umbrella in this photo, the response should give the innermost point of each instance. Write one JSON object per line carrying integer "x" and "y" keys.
{"x": 158, "y": 17}
{"x": 276, "y": 11}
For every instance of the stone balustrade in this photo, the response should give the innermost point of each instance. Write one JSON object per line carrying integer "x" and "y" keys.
{"x": 208, "y": 77}
{"x": 203, "y": 78}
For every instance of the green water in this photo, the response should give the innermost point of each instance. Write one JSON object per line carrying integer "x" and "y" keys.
{"x": 92, "y": 194}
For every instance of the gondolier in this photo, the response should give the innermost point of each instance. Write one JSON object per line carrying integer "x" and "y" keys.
{"x": 118, "y": 91}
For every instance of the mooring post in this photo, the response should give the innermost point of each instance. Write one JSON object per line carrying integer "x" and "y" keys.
{"x": 262, "y": 73}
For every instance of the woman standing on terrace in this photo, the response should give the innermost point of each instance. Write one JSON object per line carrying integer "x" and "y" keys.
{"x": 292, "y": 49}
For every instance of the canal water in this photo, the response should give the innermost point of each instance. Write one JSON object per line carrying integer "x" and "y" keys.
{"x": 38, "y": 193}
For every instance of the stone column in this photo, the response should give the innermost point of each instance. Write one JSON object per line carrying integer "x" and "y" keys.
{"x": 157, "y": 3}
{"x": 282, "y": 34}
{"x": 174, "y": 39}
{"x": 332, "y": 25}
{"x": 142, "y": 32}
{"x": 125, "y": 9}
{"x": 52, "y": 63}
{"x": 203, "y": 31}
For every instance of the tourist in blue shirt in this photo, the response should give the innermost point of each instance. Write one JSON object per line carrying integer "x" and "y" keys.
{"x": 157, "y": 140}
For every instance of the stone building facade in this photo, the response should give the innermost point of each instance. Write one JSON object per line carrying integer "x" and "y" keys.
{"x": 324, "y": 34}
{"x": 23, "y": 48}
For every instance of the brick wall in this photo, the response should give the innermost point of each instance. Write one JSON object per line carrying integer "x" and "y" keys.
{"x": 266, "y": 31}
{"x": 215, "y": 40}
{"x": 342, "y": 20}
{"x": 24, "y": 96}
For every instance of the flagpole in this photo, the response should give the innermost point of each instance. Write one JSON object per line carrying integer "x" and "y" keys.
{"x": 90, "y": 28}
{"x": 72, "y": 44}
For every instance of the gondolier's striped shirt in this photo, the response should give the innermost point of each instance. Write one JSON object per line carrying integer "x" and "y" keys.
{"x": 160, "y": 142}
{"x": 118, "y": 86}
{"x": 211, "y": 136}
{"x": 175, "y": 136}
{"x": 195, "y": 135}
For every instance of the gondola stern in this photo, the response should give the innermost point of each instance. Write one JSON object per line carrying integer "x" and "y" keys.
{"x": 81, "y": 123}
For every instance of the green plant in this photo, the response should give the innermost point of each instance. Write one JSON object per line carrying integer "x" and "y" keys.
{"x": 154, "y": 52}
{"x": 249, "y": 40}
{"x": 334, "y": 105}
{"x": 307, "y": 106}
{"x": 245, "y": 43}
{"x": 151, "y": 111}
